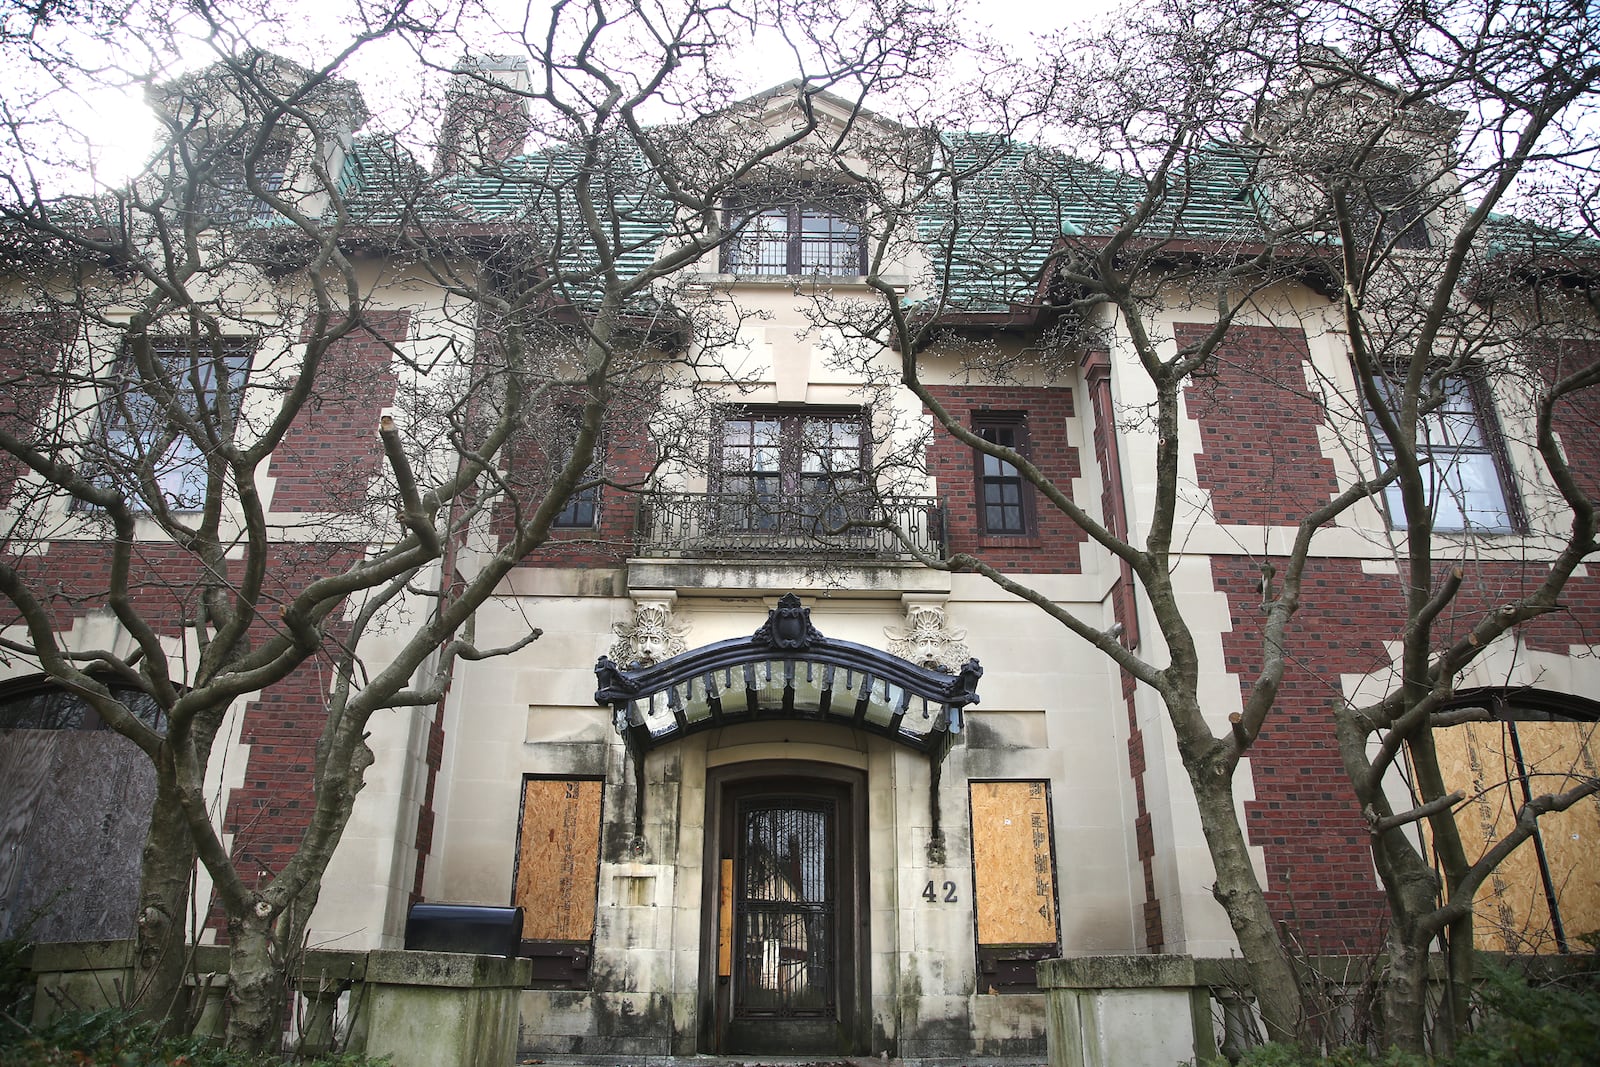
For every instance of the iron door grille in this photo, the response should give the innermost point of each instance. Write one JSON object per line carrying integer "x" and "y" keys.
{"x": 785, "y": 943}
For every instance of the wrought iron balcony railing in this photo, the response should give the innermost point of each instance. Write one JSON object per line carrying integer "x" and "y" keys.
{"x": 852, "y": 526}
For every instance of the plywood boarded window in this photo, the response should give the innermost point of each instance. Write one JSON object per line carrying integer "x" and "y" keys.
{"x": 1014, "y": 884}
{"x": 558, "y": 869}
{"x": 1546, "y": 895}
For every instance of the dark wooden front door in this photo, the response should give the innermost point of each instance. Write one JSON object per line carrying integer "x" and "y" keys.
{"x": 786, "y": 928}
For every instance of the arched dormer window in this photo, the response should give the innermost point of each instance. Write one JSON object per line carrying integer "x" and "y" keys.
{"x": 796, "y": 238}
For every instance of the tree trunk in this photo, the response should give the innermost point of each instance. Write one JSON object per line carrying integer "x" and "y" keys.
{"x": 166, "y": 869}
{"x": 1405, "y": 993}
{"x": 1272, "y": 974}
{"x": 256, "y": 982}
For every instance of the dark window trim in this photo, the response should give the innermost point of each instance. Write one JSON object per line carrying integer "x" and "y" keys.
{"x": 1017, "y": 422}
{"x": 115, "y": 412}
{"x": 738, "y": 213}
{"x": 582, "y": 508}
{"x": 794, "y": 418}
{"x": 1486, "y": 416}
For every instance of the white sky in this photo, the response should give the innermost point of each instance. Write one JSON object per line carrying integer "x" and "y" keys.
{"x": 118, "y": 125}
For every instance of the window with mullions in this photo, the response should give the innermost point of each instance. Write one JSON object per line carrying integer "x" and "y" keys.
{"x": 1462, "y": 467}
{"x": 790, "y": 471}
{"x": 792, "y": 239}
{"x": 1005, "y": 501}
{"x": 229, "y": 199}
{"x": 1389, "y": 202}
{"x": 140, "y": 423}
{"x": 582, "y": 510}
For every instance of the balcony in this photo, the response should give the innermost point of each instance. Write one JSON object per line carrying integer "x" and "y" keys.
{"x": 852, "y": 527}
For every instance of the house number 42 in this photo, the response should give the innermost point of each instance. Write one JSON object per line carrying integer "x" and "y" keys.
{"x": 932, "y": 895}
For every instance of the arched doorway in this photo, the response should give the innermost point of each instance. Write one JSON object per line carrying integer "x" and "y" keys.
{"x": 783, "y": 944}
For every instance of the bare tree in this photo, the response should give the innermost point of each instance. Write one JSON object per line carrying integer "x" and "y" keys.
{"x": 1345, "y": 168}
{"x": 238, "y": 295}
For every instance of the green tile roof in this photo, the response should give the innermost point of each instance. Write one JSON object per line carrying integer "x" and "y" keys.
{"x": 994, "y": 220}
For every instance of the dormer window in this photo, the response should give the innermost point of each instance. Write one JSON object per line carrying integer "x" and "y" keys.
{"x": 1389, "y": 201}
{"x": 229, "y": 200}
{"x": 795, "y": 239}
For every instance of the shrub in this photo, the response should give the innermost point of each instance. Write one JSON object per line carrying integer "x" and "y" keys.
{"x": 1533, "y": 1026}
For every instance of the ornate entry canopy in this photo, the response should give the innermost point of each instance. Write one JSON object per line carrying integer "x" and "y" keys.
{"x": 788, "y": 670}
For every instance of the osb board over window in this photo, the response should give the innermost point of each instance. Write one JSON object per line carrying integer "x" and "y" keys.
{"x": 1513, "y": 907}
{"x": 70, "y": 838}
{"x": 1012, "y": 865}
{"x": 558, "y": 858}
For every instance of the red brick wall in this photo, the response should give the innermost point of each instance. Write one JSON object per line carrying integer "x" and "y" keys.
{"x": 1578, "y": 416}
{"x": 30, "y": 344}
{"x": 628, "y": 457}
{"x": 1055, "y": 546}
{"x": 1261, "y": 462}
{"x": 329, "y": 456}
{"x": 1260, "y": 456}
{"x": 1318, "y": 864}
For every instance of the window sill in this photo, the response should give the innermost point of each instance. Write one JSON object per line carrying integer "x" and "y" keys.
{"x": 1021, "y": 540}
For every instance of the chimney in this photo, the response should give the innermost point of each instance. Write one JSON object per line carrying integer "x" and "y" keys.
{"x": 486, "y": 117}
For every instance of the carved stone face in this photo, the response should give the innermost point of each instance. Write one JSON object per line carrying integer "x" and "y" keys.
{"x": 650, "y": 648}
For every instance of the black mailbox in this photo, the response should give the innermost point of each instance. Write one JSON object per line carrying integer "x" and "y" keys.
{"x": 478, "y": 928}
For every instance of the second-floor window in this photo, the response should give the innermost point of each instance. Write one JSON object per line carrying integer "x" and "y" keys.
{"x": 790, "y": 470}
{"x": 1462, "y": 466}
{"x": 1005, "y": 500}
{"x": 791, "y": 239}
{"x": 143, "y": 419}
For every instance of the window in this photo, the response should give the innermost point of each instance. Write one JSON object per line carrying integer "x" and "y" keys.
{"x": 1005, "y": 502}
{"x": 1388, "y": 200}
{"x": 230, "y": 199}
{"x": 142, "y": 431}
{"x": 1461, "y": 464}
{"x": 789, "y": 470}
{"x": 796, "y": 239}
{"x": 583, "y": 508}
{"x": 582, "y": 511}
{"x": 556, "y": 876}
{"x": 1527, "y": 743}
{"x": 46, "y": 706}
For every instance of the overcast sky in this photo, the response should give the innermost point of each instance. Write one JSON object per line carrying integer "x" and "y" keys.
{"x": 119, "y": 124}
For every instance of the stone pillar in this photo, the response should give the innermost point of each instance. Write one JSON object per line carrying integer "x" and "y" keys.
{"x": 1105, "y": 1011}
{"x": 422, "y": 1009}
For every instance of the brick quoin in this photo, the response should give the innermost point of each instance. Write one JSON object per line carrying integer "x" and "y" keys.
{"x": 1261, "y": 462}
{"x": 30, "y": 344}
{"x": 1577, "y": 416}
{"x": 328, "y": 458}
{"x": 1260, "y": 456}
{"x": 1055, "y": 545}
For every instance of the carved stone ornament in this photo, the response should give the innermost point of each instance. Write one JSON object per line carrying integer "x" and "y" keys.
{"x": 652, "y": 636}
{"x": 788, "y": 627}
{"x": 927, "y": 640}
